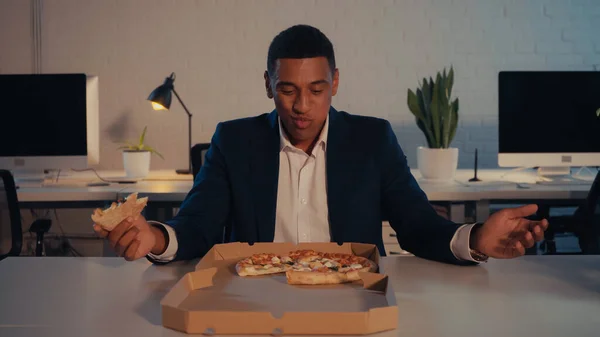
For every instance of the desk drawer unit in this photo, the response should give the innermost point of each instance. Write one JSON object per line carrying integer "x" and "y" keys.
{"x": 390, "y": 241}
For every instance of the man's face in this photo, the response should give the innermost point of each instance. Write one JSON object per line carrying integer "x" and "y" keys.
{"x": 302, "y": 91}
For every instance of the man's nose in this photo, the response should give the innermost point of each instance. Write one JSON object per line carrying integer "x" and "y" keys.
{"x": 302, "y": 103}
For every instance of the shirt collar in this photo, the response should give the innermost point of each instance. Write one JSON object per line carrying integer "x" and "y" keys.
{"x": 285, "y": 142}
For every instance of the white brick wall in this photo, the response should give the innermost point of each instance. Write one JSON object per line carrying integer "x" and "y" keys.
{"x": 218, "y": 50}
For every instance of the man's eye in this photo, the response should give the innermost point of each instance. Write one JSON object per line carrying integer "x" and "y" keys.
{"x": 316, "y": 92}
{"x": 287, "y": 92}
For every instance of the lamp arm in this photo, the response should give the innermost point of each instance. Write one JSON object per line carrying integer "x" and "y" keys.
{"x": 189, "y": 149}
{"x": 181, "y": 102}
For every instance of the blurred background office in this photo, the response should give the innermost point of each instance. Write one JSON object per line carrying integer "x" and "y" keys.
{"x": 218, "y": 51}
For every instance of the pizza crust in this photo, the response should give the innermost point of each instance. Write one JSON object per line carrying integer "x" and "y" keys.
{"x": 312, "y": 278}
{"x": 329, "y": 277}
{"x": 109, "y": 218}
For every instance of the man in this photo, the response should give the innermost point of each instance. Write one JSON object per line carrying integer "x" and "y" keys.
{"x": 307, "y": 172}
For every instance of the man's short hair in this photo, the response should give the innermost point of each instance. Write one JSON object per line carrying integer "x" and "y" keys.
{"x": 298, "y": 42}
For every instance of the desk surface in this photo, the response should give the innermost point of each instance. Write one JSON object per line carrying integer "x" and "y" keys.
{"x": 167, "y": 186}
{"x": 73, "y": 186}
{"x": 530, "y": 296}
{"x": 495, "y": 185}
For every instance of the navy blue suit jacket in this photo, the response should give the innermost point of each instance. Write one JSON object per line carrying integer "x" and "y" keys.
{"x": 368, "y": 180}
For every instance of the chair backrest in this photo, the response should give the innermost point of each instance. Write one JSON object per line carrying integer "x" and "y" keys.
{"x": 10, "y": 217}
{"x": 197, "y": 154}
{"x": 593, "y": 199}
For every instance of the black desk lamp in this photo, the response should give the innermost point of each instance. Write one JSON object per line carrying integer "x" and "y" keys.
{"x": 161, "y": 100}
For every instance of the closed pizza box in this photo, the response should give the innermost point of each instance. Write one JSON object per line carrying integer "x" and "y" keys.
{"x": 215, "y": 300}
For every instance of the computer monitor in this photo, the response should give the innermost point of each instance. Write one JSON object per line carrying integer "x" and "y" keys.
{"x": 48, "y": 121}
{"x": 549, "y": 120}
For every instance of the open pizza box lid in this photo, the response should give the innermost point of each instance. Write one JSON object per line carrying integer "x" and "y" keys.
{"x": 215, "y": 300}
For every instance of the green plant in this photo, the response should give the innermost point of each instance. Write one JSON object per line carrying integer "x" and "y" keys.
{"x": 140, "y": 146}
{"x": 435, "y": 113}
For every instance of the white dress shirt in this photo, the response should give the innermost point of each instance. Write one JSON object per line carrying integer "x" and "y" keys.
{"x": 302, "y": 213}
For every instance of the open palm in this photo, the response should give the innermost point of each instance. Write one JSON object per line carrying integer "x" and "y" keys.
{"x": 507, "y": 233}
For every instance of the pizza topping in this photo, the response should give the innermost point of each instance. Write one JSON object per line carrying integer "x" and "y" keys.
{"x": 315, "y": 264}
{"x": 263, "y": 259}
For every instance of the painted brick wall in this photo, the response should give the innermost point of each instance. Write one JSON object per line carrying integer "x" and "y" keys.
{"x": 218, "y": 51}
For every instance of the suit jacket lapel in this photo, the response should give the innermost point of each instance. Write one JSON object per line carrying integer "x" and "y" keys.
{"x": 339, "y": 170}
{"x": 264, "y": 170}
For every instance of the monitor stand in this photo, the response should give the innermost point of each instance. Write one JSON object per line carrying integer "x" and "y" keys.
{"x": 563, "y": 171}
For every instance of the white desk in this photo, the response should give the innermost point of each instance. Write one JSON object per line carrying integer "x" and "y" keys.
{"x": 72, "y": 187}
{"x": 98, "y": 297}
{"x": 504, "y": 186}
{"x": 168, "y": 189}
{"x": 493, "y": 188}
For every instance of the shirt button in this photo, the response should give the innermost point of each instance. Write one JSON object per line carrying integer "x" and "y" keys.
{"x": 303, "y": 201}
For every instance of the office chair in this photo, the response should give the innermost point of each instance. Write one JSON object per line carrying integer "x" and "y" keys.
{"x": 197, "y": 154}
{"x": 9, "y": 210}
{"x": 584, "y": 223}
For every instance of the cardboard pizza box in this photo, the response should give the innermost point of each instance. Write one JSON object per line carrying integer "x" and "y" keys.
{"x": 215, "y": 300}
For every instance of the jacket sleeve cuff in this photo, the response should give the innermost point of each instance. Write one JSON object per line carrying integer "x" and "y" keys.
{"x": 172, "y": 246}
{"x": 459, "y": 245}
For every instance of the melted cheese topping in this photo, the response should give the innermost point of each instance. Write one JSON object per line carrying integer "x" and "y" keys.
{"x": 316, "y": 264}
{"x": 330, "y": 264}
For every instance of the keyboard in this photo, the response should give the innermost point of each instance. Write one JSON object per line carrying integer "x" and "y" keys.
{"x": 64, "y": 184}
{"x": 564, "y": 182}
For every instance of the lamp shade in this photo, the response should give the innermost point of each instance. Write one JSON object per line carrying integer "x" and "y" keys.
{"x": 161, "y": 96}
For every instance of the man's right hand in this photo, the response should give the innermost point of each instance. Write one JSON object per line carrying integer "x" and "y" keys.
{"x": 134, "y": 239}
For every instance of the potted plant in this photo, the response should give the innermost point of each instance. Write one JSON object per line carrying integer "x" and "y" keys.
{"x": 436, "y": 115}
{"x": 136, "y": 157}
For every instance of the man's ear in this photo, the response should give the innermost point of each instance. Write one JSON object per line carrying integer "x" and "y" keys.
{"x": 268, "y": 85}
{"x": 335, "y": 82}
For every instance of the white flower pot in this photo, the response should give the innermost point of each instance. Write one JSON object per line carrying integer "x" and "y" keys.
{"x": 136, "y": 163}
{"x": 437, "y": 164}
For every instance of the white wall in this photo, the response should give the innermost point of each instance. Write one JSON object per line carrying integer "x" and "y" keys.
{"x": 218, "y": 51}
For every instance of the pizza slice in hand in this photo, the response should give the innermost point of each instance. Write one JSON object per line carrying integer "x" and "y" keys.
{"x": 109, "y": 218}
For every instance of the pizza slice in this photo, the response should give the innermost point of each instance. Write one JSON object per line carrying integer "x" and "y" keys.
{"x": 109, "y": 218}
{"x": 329, "y": 268}
{"x": 262, "y": 264}
{"x": 308, "y": 267}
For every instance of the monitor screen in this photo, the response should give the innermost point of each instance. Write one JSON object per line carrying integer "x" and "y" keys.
{"x": 549, "y": 119}
{"x": 43, "y": 115}
{"x": 549, "y": 112}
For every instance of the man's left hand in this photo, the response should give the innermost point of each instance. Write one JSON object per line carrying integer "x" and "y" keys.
{"x": 507, "y": 233}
